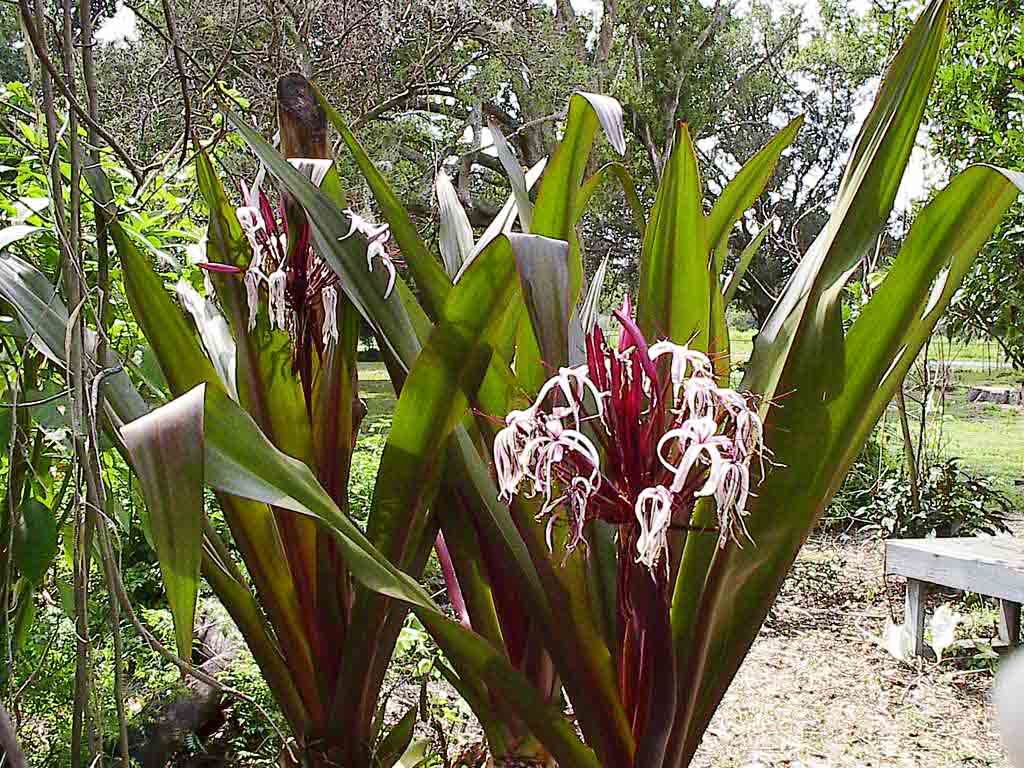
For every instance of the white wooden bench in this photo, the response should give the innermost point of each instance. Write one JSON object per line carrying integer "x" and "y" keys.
{"x": 987, "y": 565}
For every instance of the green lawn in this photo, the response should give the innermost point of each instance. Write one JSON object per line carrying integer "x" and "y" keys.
{"x": 376, "y": 391}
{"x": 989, "y": 438}
{"x": 940, "y": 349}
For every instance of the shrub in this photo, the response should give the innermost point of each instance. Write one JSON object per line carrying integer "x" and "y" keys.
{"x": 876, "y": 498}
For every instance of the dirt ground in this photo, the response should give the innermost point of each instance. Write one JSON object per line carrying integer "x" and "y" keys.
{"x": 818, "y": 690}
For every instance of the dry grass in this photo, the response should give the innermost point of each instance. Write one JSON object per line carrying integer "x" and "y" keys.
{"x": 817, "y": 690}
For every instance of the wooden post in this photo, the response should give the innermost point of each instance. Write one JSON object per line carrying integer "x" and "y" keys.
{"x": 914, "y": 617}
{"x": 1009, "y": 623}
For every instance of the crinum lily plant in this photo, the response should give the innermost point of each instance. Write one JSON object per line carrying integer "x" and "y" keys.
{"x": 635, "y": 438}
{"x": 615, "y": 521}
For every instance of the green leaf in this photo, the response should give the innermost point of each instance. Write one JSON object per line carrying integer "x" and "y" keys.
{"x": 514, "y": 171}
{"x": 746, "y": 256}
{"x": 396, "y": 742}
{"x": 674, "y": 295}
{"x": 214, "y": 333}
{"x": 43, "y": 315}
{"x": 181, "y": 358}
{"x": 239, "y": 460}
{"x": 801, "y": 351}
{"x": 555, "y": 211}
{"x": 455, "y": 235}
{"x": 625, "y": 178}
{"x": 543, "y": 267}
{"x": 822, "y": 439}
{"x": 502, "y": 223}
{"x": 167, "y": 454}
{"x": 433, "y": 400}
{"x": 426, "y": 271}
{"x": 14, "y": 233}
{"x": 746, "y": 186}
{"x": 35, "y": 539}
{"x": 590, "y": 309}
{"x": 866, "y": 195}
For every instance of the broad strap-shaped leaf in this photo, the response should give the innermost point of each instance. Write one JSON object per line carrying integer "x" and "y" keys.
{"x": 14, "y": 233}
{"x": 555, "y": 211}
{"x": 502, "y": 223}
{"x": 543, "y": 267}
{"x": 817, "y": 442}
{"x": 625, "y": 178}
{"x": 167, "y": 455}
{"x": 516, "y": 178}
{"x": 177, "y": 349}
{"x": 239, "y": 460}
{"x": 746, "y": 186}
{"x": 455, "y": 235}
{"x": 433, "y": 400}
{"x": 800, "y": 348}
{"x": 866, "y": 195}
{"x": 213, "y": 332}
{"x": 44, "y": 317}
{"x": 743, "y": 263}
{"x": 674, "y": 294}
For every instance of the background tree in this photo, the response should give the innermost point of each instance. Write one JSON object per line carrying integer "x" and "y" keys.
{"x": 977, "y": 116}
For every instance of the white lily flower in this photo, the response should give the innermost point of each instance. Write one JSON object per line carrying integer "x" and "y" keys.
{"x": 314, "y": 168}
{"x": 701, "y": 396}
{"x": 277, "y": 306}
{"x": 731, "y": 494}
{"x": 329, "y": 294}
{"x": 253, "y": 278}
{"x": 654, "y": 513}
{"x": 365, "y": 226}
{"x": 682, "y": 359}
{"x": 574, "y": 383}
{"x": 376, "y": 236}
{"x": 376, "y": 250}
{"x": 251, "y": 220}
{"x": 696, "y": 439}
{"x": 509, "y": 446}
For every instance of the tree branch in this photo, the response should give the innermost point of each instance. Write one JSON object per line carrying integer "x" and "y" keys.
{"x": 39, "y": 45}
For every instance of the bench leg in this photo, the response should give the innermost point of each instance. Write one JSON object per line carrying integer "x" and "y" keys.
{"x": 1009, "y": 623}
{"x": 914, "y": 617}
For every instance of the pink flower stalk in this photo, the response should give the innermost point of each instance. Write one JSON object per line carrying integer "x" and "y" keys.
{"x": 636, "y": 437}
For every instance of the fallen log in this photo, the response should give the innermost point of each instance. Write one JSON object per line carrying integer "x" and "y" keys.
{"x": 998, "y": 395}
{"x": 198, "y": 706}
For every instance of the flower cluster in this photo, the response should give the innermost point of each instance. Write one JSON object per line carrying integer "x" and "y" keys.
{"x": 298, "y": 284}
{"x": 668, "y": 434}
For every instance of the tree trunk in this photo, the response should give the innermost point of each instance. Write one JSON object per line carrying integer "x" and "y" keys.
{"x": 10, "y": 750}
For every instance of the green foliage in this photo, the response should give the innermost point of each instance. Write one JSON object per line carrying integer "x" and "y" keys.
{"x": 954, "y": 501}
{"x": 974, "y": 116}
